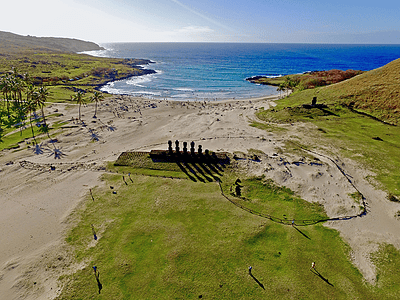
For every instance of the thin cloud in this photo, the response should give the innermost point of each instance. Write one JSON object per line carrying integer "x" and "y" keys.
{"x": 201, "y": 15}
{"x": 196, "y": 29}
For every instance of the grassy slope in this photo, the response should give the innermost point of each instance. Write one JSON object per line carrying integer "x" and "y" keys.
{"x": 354, "y": 134}
{"x": 79, "y": 71}
{"x": 12, "y": 43}
{"x": 376, "y": 91}
{"x": 163, "y": 238}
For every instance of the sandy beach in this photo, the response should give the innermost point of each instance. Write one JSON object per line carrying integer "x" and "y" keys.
{"x": 39, "y": 192}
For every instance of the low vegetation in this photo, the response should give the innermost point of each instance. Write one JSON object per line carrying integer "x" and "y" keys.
{"x": 357, "y": 116}
{"x": 65, "y": 73}
{"x": 308, "y": 80}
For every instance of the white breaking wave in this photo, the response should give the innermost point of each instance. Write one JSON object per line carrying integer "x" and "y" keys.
{"x": 140, "y": 80}
{"x": 183, "y": 89}
{"x": 273, "y": 76}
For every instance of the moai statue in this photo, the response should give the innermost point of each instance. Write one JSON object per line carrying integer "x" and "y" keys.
{"x": 238, "y": 190}
{"x": 314, "y": 101}
{"x": 192, "y": 150}
{"x": 177, "y": 146}
{"x": 207, "y": 153}
{"x": 200, "y": 151}
{"x": 185, "y": 148}
{"x": 170, "y": 151}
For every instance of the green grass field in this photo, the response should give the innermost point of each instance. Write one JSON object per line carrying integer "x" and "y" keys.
{"x": 163, "y": 238}
{"x": 357, "y": 136}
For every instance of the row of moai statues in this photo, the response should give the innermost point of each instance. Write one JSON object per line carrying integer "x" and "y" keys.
{"x": 185, "y": 149}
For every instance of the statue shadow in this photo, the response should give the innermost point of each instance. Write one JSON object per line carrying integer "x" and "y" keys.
{"x": 201, "y": 172}
{"x": 184, "y": 170}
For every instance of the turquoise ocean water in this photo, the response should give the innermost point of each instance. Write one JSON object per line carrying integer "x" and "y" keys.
{"x": 216, "y": 71}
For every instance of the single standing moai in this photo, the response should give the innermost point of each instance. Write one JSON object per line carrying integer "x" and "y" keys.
{"x": 185, "y": 148}
{"x": 170, "y": 151}
{"x": 207, "y": 152}
{"x": 238, "y": 191}
{"x": 177, "y": 146}
{"x": 314, "y": 101}
{"x": 200, "y": 151}
{"x": 192, "y": 150}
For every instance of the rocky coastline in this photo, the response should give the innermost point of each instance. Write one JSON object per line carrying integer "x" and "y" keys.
{"x": 137, "y": 70}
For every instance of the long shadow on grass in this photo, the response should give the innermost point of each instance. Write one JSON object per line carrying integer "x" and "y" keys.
{"x": 208, "y": 171}
{"x": 200, "y": 171}
{"x": 315, "y": 272}
{"x": 258, "y": 282}
{"x": 306, "y": 236}
{"x": 99, "y": 285}
{"x": 186, "y": 172}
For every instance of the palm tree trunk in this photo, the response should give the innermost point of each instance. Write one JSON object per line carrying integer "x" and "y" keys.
{"x": 33, "y": 133}
{"x": 45, "y": 123}
{"x": 44, "y": 119}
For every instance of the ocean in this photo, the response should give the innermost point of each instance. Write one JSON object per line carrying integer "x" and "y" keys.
{"x": 217, "y": 71}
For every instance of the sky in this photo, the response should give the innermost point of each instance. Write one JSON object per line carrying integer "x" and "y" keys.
{"x": 259, "y": 21}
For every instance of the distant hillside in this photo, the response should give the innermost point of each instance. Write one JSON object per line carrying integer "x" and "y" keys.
{"x": 11, "y": 43}
{"x": 376, "y": 91}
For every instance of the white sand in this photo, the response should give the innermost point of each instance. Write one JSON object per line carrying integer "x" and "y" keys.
{"x": 36, "y": 201}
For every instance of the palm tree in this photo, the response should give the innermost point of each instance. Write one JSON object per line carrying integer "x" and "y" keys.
{"x": 19, "y": 88}
{"x": 30, "y": 92}
{"x": 5, "y": 86}
{"x": 43, "y": 93}
{"x": 31, "y": 108}
{"x": 281, "y": 88}
{"x": 78, "y": 97}
{"x": 27, "y": 79}
{"x": 97, "y": 97}
{"x": 40, "y": 100}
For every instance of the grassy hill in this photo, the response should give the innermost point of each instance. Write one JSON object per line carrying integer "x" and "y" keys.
{"x": 357, "y": 117}
{"x": 375, "y": 92}
{"x": 11, "y": 44}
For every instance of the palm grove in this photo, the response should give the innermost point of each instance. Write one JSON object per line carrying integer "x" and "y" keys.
{"x": 21, "y": 101}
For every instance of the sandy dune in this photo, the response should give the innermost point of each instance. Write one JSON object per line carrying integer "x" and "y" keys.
{"x": 38, "y": 192}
